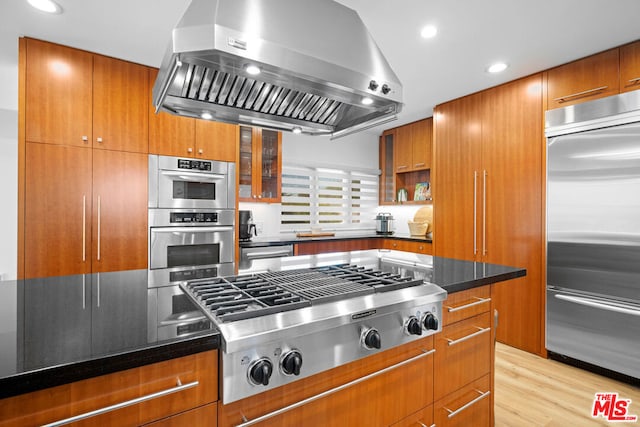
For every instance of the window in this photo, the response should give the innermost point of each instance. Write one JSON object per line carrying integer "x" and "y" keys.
{"x": 327, "y": 198}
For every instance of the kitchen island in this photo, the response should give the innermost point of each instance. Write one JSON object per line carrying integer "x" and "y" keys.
{"x": 59, "y": 387}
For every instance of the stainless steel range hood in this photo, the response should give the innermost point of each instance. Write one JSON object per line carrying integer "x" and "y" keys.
{"x": 317, "y": 63}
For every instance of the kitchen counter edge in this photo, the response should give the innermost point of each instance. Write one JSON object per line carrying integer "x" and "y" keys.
{"x": 292, "y": 239}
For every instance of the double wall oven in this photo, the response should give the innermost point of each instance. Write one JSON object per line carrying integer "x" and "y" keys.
{"x": 191, "y": 234}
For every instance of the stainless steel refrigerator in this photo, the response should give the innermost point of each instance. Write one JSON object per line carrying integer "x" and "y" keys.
{"x": 593, "y": 232}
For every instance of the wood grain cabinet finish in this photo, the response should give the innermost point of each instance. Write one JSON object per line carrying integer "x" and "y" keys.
{"x": 469, "y": 406}
{"x": 423, "y": 417}
{"x": 408, "y": 246}
{"x": 173, "y": 135}
{"x": 58, "y": 210}
{"x": 59, "y": 94}
{"x": 379, "y": 401}
{"x": 488, "y": 196}
{"x": 466, "y": 304}
{"x": 198, "y": 374}
{"x": 312, "y": 248}
{"x": 120, "y": 105}
{"x": 630, "y": 67}
{"x": 586, "y": 79}
{"x": 412, "y": 146}
{"x": 204, "y": 416}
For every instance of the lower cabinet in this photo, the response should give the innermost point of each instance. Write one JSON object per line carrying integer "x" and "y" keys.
{"x": 381, "y": 400}
{"x": 204, "y": 416}
{"x": 408, "y": 246}
{"x": 317, "y": 247}
{"x": 469, "y": 406}
{"x": 423, "y": 417}
{"x": 164, "y": 389}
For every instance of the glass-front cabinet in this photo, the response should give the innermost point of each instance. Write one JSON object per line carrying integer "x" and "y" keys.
{"x": 260, "y": 165}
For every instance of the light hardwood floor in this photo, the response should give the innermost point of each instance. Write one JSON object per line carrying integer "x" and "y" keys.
{"x": 532, "y": 391}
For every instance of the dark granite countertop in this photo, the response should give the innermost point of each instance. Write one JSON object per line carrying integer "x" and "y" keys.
{"x": 59, "y": 330}
{"x": 291, "y": 238}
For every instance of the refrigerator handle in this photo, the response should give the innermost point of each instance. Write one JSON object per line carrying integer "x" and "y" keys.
{"x": 475, "y": 212}
{"x": 615, "y": 307}
{"x": 484, "y": 212}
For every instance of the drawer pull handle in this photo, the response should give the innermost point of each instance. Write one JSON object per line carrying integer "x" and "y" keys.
{"x": 480, "y": 331}
{"x": 177, "y": 388}
{"x": 466, "y": 405}
{"x": 402, "y": 167}
{"x": 634, "y": 81}
{"x": 424, "y": 425}
{"x": 419, "y": 164}
{"x": 462, "y": 307}
{"x": 315, "y": 397}
{"x": 579, "y": 94}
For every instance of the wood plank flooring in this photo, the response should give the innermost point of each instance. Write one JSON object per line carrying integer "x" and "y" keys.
{"x": 532, "y": 391}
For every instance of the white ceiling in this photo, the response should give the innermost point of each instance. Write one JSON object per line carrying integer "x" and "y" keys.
{"x": 529, "y": 35}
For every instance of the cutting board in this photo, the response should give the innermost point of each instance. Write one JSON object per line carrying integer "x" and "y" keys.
{"x": 321, "y": 234}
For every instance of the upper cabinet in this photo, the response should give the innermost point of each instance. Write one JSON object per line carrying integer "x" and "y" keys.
{"x": 630, "y": 67}
{"x": 405, "y": 160}
{"x": 173, "y": 135}
{"x": 78, "y": 98}
{"x": 589, "y": 78}
{"x": 260, "y": 166}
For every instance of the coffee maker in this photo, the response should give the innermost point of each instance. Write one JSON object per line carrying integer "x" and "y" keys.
{"x": 246, "y": 226}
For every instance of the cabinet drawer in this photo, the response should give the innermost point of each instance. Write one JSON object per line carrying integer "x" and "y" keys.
{"x": 464, "y": 304}
{"x": 188, "y": 381}
{"x": 204, "y": 416}
{"x": 469, "y": 406}
{"x": 463, "y": 354}
{"x": 630, "y": 67}
{"x": 423, "y": 417}
{"x": 408, "y": 246}
{"x": 590, "y": 78}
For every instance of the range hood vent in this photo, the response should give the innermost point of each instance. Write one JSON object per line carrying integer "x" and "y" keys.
{"x": 317, "y": 64}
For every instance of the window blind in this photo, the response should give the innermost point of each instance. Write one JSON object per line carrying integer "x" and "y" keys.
{"x": 332, "y": 199}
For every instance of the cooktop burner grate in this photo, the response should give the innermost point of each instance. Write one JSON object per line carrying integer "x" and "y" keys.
{"x": 243, "y": 297}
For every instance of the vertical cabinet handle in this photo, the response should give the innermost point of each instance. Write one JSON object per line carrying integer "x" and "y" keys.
{"x": 84, "y": 292}
{"x": 99, "y": 228}
{"x": 475, "y": 211}
{"x": 98, "y": 288}
{"x": 84, "y": 227}
{"x": 484, "y": 212}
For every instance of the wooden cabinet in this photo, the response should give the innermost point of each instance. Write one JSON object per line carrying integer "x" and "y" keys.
{"x": 408, "y": 246}
{"x": 318, "y": 247}
{"x": 589, "y": 78}
{"x": 405, "y": 159}
{"x": 260, "y": 166}
{"x": 74, "y": 97}
{"x": 423, "y": 417}
{"x": 204, "y": 416}
{"x": 488, "y": 196}
{"x": 466, "y": 304}
{"x": 630, "y": 67}
{"x": 179, "y": 384}
{"x": 85, "y": 210}
{"x": 469, "y": 406}
{"x": 172, "y": 135}
{"x": 378, "y": 401}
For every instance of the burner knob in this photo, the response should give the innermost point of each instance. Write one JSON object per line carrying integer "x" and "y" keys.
{"x": 260, "y": 371}
{"x": 413, "y": 326}
{"x": 292, "y": 363}
{"x": 371, "y": 339}
{"x": 430, "y": 321}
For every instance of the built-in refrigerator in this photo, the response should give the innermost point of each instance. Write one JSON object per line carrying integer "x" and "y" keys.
{"x": 593, "y": 233}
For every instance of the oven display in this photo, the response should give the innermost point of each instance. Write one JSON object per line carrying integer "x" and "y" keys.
{"x": 200, "y": 273}
{"x": 190, "y": 217}
{"x": 199, "y": 165}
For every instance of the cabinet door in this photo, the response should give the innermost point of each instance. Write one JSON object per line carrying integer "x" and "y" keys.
{"x": 119, "y": 211}
{"x": 630, "y": 67}
{"x": 423, "y": 417}
{"x": 169, "y": 134}
{"x": 120, "y": 105}
{"x": 421, "y": 144}
{"x": 512, "y": 231}
{"x": 387, "y": 178}
{"x": 216, "y": 141}
{"x": 58, "y": 94}
{"x": 204, "y": 416}
{"x": 403, "y": 149}
{"x": 590, "y": 78}
{"x": 469, "y": 406}
{"x": 456, "y": 187}
{"x": 57, "y": 210}
{"x": 247, "y": 190}
{"x": 270, "y": 172}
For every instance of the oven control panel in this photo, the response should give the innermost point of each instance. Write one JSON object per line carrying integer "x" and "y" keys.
{"x": 199, "y": 165}
{"x": 193, "y": 217}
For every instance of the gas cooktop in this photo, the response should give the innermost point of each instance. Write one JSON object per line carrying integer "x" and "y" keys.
{"x": 248, "y": 296}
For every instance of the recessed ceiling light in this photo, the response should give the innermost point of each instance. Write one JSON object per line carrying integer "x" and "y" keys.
{"x": 497, "y": 67}
{"x": 252, "y": 69}
{"x": 428, "y": 31}
{"x": 297, "y": 129}
{"x": 367, "y": 101}
{"x": 48, "y": 6}
{"x": 206, "y": 115}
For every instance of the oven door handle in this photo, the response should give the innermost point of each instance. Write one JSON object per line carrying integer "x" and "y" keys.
{"x": 194, "y": 229}
{"x": 201, "y": 177}
{"x": 277, "y": 412}
{"x": 185, "y": 320}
